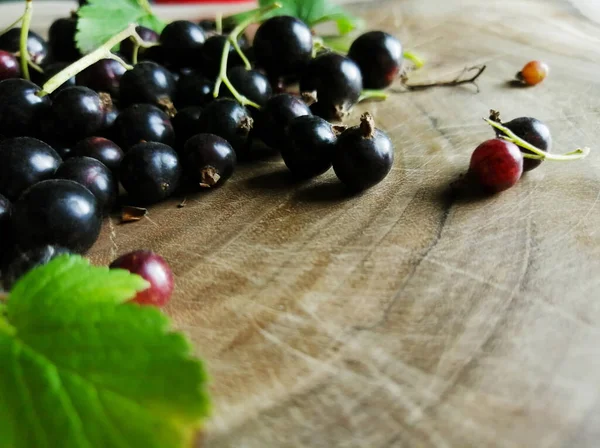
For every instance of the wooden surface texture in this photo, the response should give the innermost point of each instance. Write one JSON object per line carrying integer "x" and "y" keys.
{"x": 403, "y": 318}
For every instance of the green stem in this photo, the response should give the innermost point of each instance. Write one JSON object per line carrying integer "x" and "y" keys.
{"x": 239, "y": 51}
{"x": 11, "y": 26}
{"x": 373, "y": 95}
{"x": 341, "y": 44}
{"x": 510, "y": 136}
{"x": 36, "y": 67}
{"x": 417, "y": 61}
{"x": 219, "y": 23}
{"x": 102, "y": 52}
{"x": 24, "y": 36}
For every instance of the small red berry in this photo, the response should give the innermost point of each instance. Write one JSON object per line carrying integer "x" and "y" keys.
{"x": 496, "y": 165}
{"x": 533, "y": 73}
{"x": 155, "y": 270}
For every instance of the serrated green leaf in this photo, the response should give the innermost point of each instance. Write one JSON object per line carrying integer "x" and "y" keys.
{"x": 82, "y": 369}
{"x": 100, "y": 20}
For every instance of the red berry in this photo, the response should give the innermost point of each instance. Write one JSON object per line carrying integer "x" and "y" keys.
{"x": 154, "y": 269}
{"x": 533, "y": 73}
{"x": 496, "y": 165}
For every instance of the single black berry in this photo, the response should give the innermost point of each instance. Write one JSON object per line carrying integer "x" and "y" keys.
{"x": 24, "y": 161}
{"x": 148, "y": 83}
{"x": 78, "y": 112}
{"x": 150, "y": 172}
{"x": 209, "y": 160}
{"x": 36, "y": 45}
{"x": 273, "y": 119}
{"x": 193, "y": 89}
{"x": 57, "y": 212}
{"x": 363, "y": 155}
{"x": 227, "y": 119}
{"x": 103, "y": 76}
{"x": 250, "y": 83}
{"x": 535, "y": 132}
{"x": 143, "y": 123}
{"x": 337, "y": 82}
{"x": 6, "y": 237}
{"x": 379, "y": 56}
{"x": 93, "y": 175}
{"x": 28, "y": 260}
{"x": 102, "y": 149}
{"x": 310, "y": 147}
{"x": 283, "y": 46}
{"x": 21, "y": 108}
{"x": 61, "y": 39}
{"x": 9, "y": 66}
{"x": 182, "y": 41}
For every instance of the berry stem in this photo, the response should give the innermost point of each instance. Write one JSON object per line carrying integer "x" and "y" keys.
{"x": 232, "y": 40}
{"x": 417, "y": 61}
{"x": 373, "y": 94}
{"x": 102, "y": 52}
{"x": 219, "y": 23}
{"x": 24, "y": 36}
{"x": 538, "y": 154}
{"x": 11, "y": 26}
{"x": 239, "y": 51}
{"x": 459, "y": 80}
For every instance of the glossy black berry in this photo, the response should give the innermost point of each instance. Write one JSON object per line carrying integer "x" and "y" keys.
{"x": 102, "y": 149}
{"x": 337, "y": 82}
{"x": 379, "y": 56}
{"x": 148, "y": 83}
{"x": 24, "y": 161}
{"x": 274, "y": 118}
{"x": 150, "y": 172}
{"x": 93, "y": 175}
{"x": 28, "y": 260}
{"x": 9, "y": 66}
{"x": 103, "y": 76}
{"x": 283, "y": 46}
{"x": 212, "y": 53}
{"x": 363, "y": 155}
{"x": 310, "y": 146}
{"x": 143, "y": 123}
{"x": 535, "y": 132}
{"x": 78, "y": 112}
{"x": 36, "y": 45}
{"x": 61, "y": 39}
{"x": 147, "y": 35}
{"x": 182, "y": 41}
{"x": 20, "y": 107}
{"x": 250, "y": 83}
{"x": 193, "y": 89}
{"x": 57, "y": 212}
{"x": 227, "y": 119}
{"x": 6, "y": 238}
{"x": 209, "y": 160}
{"x": 185, "y": 124}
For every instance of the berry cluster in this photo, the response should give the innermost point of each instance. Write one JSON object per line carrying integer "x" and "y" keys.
{"x": 172, "y": 113}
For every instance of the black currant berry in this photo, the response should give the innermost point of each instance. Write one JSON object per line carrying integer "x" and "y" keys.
{"x": 193, "y": 89}
{"x": 148, "y": 83}
{"x": 379, "y": 56}
{"x": 93, "y": 175}
{"x": 274, "y": 118}
{"x": 147, "y": 35}
{"x": 363, "y": 155}
{"x": 78, "y": 112}
{"x": 227, "y": 119}
{"x": 102, "y": 149}
{"x": 9, "y": 66}
{"x": 251, "y": 83}
{"x": 6, "y": 238}
{"x": 28, "y": 260}
{"x": 20, "y": 107}
{"x": 337, "y": 82}
{"x": 182, "y": 41}
{"x": 535, "y": 132}
{"x": 283, "y": 46}
{"x": 212, "y": 53}
{"x": 61, "y": 39}
{"x": 36, "y": 45}
{"x": 310, "y": 148}
{"x": 24, "y": 161}
{"x": 103, "y": 76}
{"x": 209, "y": 160}
{"x": 143, "y": 123}
{"x": 57, "y": 212}
{"x": 150, "y": 172}
{"x": 185, "y": 124}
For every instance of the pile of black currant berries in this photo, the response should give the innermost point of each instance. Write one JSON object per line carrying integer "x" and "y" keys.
{"x": 173, "y": 113}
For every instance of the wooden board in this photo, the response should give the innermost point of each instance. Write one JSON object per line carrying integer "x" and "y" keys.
{"x": 402, "y": 318}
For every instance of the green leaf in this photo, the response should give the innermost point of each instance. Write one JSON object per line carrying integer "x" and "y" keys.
{"x": 312, "y": 12}
{"x": 100, "y": 20}
{"x": 80, "y": 368}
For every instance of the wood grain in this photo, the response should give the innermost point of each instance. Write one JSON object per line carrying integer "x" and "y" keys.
{"x": 404, "y": 318}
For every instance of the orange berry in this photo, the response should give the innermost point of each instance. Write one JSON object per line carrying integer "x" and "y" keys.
{"x": 533, "y": 73}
